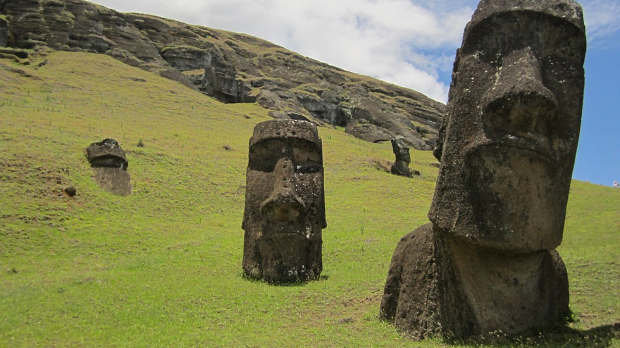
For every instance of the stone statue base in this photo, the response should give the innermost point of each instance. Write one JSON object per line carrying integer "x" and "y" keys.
{"x": 440, "y": 286}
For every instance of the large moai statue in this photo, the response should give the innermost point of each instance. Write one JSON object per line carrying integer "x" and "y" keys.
{"x": 109, "y": 164}
{"x": 284, "y": 203}
{"x": 487, "y": 261}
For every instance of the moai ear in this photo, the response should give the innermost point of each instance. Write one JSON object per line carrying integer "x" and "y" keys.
{"x": 438, "y": 150}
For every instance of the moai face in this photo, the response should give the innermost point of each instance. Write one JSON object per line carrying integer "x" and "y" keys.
{"x": 512, "y": 125}
{"x": 284, "y": 207}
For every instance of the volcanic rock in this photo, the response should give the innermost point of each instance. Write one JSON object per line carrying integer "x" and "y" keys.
{"x": 231, "y": 67}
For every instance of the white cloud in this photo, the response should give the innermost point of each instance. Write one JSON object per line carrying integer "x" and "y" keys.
{"x": 374, "y": 37}
{"x": 602, "y": 18}
{"x": 409, "y": 43}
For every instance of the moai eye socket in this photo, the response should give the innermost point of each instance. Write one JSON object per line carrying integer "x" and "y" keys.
{"x": 307, "y": 158}
{"x": 265, "y": 154}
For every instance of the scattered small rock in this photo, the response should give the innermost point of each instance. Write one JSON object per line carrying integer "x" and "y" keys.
{"x": 70, "y": 191}
{"x": 346, "y": 321}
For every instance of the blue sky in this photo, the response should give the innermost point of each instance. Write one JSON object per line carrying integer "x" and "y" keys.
{"x": 598, "y": 155}
{"x": 412, "y": 43}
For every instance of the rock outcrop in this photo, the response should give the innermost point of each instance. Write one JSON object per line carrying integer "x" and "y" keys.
{"x": 234, "y": 68}
{"x": 4, "y": 32}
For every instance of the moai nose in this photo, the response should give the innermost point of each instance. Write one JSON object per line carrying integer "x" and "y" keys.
{"x": 283, "y": 205}
{"x": 519, "y": 103}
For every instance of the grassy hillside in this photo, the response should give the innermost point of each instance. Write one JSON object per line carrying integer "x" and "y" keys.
{"x": 162, "y": 267}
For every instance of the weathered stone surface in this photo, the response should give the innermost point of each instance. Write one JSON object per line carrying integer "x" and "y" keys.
{"x": 113, "y": 180}
{"x": 109, "y": 164}
{"x": 369, "y": 132}
{"x": 284, "y": 204}
{"x": 401, "y": 164}
{"x": 220, "y": 80}
{"x": 185, "y": 58}
{"x": 487, "y": 261}
{"x": 440, "y": 286}
{"x": 234, "y": 68}
{"x": 4, "y": 32}
{"x": 106, "y": 153}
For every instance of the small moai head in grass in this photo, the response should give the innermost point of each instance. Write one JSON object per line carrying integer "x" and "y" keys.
{"x": 284, "y": 204}
{"x": 109, "y": 164}
{"x": 509, "y": 138}
{"x": 106, "y": 153}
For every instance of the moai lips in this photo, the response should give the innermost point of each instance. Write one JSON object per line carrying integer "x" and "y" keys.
{"x": 507, "y": 148}
{"x": 285, "y": 208}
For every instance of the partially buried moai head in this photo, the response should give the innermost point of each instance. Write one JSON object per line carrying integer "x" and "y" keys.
{"x": 109, "y": 164}
{"x": 510, "y": 134}
{"x": 284, "y": 206}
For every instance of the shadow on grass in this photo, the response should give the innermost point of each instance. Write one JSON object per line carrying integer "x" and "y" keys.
{"x": 284, "y": 284}
{"x": 562, "y": 337}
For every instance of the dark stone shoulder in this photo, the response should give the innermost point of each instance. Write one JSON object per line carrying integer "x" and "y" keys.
{"x": 411, "y": 273}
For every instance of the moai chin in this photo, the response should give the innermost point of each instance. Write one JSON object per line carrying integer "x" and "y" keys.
{"x": 487, "y": 261}
{"x": 284, "y": 203}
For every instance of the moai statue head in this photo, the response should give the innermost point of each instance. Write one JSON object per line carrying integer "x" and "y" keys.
{"x": 284, "y": 204}
{"x": 106, "y": 153}
{"x": 109, "y": 164}
{"x": 510, "y": 134}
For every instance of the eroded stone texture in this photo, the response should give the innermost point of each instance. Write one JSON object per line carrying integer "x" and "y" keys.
{"x": 4, "y": 33}
{"x": 109, "y": 164}
{"x": 401, "y": 164}
{"x": 487, "y": 261}
{"x": 285, "y": 204}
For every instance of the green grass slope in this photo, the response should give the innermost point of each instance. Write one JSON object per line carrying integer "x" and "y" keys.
{"x": 162, "y": 267}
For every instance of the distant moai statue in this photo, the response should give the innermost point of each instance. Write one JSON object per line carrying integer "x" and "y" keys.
{"x": 487, "y": 260}
{"x": 401, "y": 151}
{"x": 284, "y": 203}
{"x": 109, "y": 164}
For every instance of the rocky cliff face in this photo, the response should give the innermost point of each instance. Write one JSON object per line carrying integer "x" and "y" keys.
{"x": 232, "y": 67}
